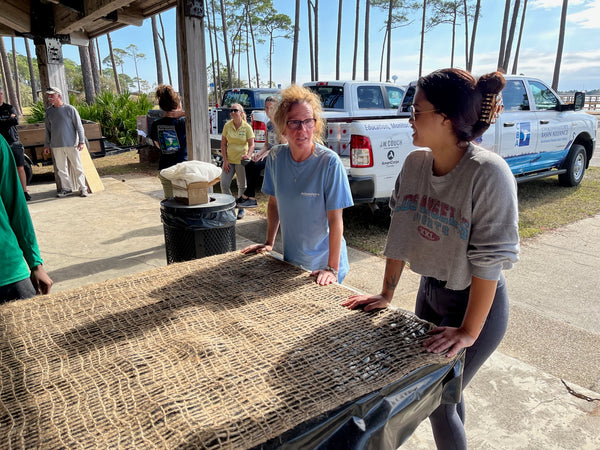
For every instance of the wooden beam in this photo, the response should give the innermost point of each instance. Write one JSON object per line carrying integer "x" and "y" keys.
{"x": 67, "y": 21}
{"x": 6, "y": 31}
{"x": 190, "y": 18}
{"x": 15, "y": 15}
{"x": 130, "y": 16}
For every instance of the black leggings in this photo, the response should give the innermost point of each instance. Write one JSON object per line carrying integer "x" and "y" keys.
{"x": 253, "y": 170}
{"x": 17, "y": 290}
{"x": 446, "y": 307}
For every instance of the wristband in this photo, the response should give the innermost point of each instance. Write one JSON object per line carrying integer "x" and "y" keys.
{"x": 333, "y": 271}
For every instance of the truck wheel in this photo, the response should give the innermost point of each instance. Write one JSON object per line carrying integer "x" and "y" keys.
{"x": 575, "y": 165}
{"x": 28, "y": 170}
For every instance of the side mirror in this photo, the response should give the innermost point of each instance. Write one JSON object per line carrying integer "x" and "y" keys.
{"x": 579, "y": 101}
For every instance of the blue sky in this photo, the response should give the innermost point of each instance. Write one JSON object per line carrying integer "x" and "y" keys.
{"x": 580, "y": 61}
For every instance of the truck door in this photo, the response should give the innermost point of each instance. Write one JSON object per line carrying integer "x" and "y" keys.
{"x": 517, "y": 127}
{"x": 554, "y": 128}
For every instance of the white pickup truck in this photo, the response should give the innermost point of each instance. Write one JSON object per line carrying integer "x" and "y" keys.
{"x": 537, "y": 135}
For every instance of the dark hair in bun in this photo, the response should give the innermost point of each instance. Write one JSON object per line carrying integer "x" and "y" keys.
{"x": 468, "y": 103}
{"x": 168, "y": 99}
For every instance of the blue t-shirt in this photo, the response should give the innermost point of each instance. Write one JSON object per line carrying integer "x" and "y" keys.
{"x": 305, "y": 191}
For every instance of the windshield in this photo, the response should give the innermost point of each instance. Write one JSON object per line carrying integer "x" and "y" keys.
{"x": 332, "y": 97}
{"x": 247, "y": 98}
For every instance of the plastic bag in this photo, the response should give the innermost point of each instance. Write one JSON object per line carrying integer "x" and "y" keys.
{"x": 192, "y": 171}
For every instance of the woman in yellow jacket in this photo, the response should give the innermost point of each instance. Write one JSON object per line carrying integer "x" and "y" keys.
{"x": 237, "y": 145}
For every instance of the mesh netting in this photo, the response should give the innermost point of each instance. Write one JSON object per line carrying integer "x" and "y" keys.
{"x": 224, "y": 351}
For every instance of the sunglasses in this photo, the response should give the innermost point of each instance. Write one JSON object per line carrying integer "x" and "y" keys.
{"x": 309, "y": 124}
{"x": 413, "y": 112}
{"x": 233, "y": 110}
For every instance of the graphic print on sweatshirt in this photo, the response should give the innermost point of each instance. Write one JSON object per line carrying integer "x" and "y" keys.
{"x": 434, "y": 217}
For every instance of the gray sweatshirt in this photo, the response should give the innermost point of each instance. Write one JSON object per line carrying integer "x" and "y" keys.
{"x": 63, "y": 127}
{"x": 455, "y": 226}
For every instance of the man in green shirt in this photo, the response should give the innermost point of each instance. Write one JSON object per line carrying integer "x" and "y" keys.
{"x": 19, "y": 251}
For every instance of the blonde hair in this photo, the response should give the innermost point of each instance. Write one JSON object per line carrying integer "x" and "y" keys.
{"x": 297, "y": 94}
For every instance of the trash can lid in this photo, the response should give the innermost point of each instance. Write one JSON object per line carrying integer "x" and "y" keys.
{"x": 218, "y": 202}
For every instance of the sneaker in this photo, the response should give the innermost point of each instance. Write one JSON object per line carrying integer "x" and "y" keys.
{"x": 241, "y": 213}
{"x": 27, "y": 196}
{"x": 64, "y": 193}
{"x": 240, "y": 200}
{"x": 248, "y": 203}
{"x": 83, "y": 193}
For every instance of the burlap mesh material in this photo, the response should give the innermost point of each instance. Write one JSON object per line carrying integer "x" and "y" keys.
{"x": 226, "y": 351}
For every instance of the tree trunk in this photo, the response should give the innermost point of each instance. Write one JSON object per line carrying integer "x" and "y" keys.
{"x": 248, "y": 50}
{"x": 229, "y": 62}
{"x": 316, "y": 39}
{"x": 339, "y": 42}
{"x": 466, "y": 15}
{"x": 212, "y": 52}
{"x": 388, "y": 68}
{"x": 516, "y": 61}
{"x": 296, "y": 37}
{"x": 94, "y": 65}
{"x": 422, "y": 38}
{"x": 453, "y": 40}
{"x": 354, "y": 59}
{"x": 503, "y": 36}
{"x": 385, "y": 36}
{"x": 311, "y": 48}
{"x": 220, "y": 86}
{"x": 159, "y": 70}
{"x": 34, "y": 95}
{"x": 12, "y": 96}
{"x": 114, "y": 66}
{"x": 19, "y": 104}
{"x": 561, "y": 41}
{"x": 162, "y": 38}
{"x": 511, "y": 35}
{"x": 366, "y": 44}
{"x": 99, "y": 56}
{"x": 254, "y": 48}
{"x": 473, "y": 33}
{"x": 4, "y": 86}
{"x": 86, "y": 71}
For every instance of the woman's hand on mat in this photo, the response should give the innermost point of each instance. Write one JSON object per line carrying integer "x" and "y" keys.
{"x": 257, "y": 248}
{"x": 368, "y": 302}
{"x": 323, "y": 277}
{"x": 448, "y": 338}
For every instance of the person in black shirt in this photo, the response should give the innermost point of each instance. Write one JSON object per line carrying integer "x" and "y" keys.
{"x": 9, "y": 119}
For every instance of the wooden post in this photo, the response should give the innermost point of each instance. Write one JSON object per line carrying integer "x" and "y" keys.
{"x": 52, "y": 70}
{"x": 192, "y": 51}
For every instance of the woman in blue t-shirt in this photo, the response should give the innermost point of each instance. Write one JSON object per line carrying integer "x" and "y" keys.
{"x": 308, "y": 190}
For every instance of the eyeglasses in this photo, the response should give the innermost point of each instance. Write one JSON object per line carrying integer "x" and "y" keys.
{"x": 413, "y": 112}
{"x": 309, "y": 124}
{"x": 234, "y": 111}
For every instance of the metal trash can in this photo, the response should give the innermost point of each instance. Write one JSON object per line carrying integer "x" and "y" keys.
{"x": 197, "y": 231}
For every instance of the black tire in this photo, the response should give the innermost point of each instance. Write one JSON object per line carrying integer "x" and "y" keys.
{"x": 575, "y": 164}
{"x": 28, "y": 170}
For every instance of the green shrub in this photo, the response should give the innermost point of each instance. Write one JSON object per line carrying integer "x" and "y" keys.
{"x": 116, "y": 114}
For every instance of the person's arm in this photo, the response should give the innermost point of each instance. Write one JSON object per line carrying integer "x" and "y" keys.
{"x": 48, "y": 137}
{"x": 336, "y": 231}
{"x": 79, "y": 128}
{"x": 13, "y": 119}
{"x": 272, "y": 228}
{"x": 175, "y": 114}
{"x": 226, "y": 166}
{"x": 391, "y": 277}
{"x": 250, "y": 151}
{"x": 481, "y": 297}
{"x": 40, "y": 280}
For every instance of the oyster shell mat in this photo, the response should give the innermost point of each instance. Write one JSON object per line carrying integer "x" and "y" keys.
{"x": 229, "y": 350}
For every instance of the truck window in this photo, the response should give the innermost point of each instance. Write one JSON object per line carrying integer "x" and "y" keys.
{"x": 394, "y": 96}
{"x": 370, "y": 97}
{"x": 237, "y": 96}
{"x": 514, "y": 96}
{"x": 543, "y": 96}
{"x": 332, "y": 97}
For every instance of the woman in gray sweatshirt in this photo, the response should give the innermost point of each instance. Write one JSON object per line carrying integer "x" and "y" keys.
{"x": 455, "y": 220}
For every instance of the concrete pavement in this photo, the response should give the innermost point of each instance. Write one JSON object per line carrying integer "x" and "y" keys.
{"x": 517, "y": 401}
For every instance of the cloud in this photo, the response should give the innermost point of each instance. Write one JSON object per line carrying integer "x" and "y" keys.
{"x": 587, "y": 18}
{"x": 551, "y": 4}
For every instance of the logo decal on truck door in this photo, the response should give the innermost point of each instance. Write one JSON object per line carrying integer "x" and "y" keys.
{"x": 523, "y": 134}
